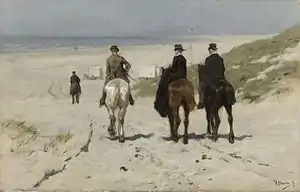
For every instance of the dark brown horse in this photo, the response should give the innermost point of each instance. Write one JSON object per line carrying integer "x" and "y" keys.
{"x": 179, "y": 93}
{"x": 75, "y": 92}
{"x": 215, "y": 97}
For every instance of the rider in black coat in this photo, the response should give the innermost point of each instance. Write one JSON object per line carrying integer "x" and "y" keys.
{"x": 215, "y": 71}
{"x": 179, "y": 70}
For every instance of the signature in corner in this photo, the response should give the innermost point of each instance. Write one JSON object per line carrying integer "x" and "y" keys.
{"x": 285, "y": 184}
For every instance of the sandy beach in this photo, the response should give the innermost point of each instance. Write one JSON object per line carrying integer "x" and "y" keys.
{"x": 34, "y": 88}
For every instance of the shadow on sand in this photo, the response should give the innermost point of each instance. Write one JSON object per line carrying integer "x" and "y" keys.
{"x": 134, "y": 137}
{"x": 198, "y": 137}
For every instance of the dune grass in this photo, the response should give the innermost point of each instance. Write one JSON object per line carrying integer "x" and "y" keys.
{"x": 245, "y": 62}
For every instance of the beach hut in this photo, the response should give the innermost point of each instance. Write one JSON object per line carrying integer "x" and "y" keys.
{"x": 149, "y": 72}
{"x": 94, "y": 73}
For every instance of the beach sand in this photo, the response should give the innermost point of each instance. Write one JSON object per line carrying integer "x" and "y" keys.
{"x": 34, "y": 88}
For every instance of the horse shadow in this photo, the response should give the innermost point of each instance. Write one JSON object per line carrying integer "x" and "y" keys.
{"x": 198, "y": 137}
{"x": 134, "y": 137}
{"x": 193, "y": 136}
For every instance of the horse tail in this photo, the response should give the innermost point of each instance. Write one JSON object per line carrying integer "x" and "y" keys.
{"x": 118, "y": 96}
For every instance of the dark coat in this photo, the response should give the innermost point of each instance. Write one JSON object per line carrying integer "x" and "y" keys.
{"x": 115, "y": 68}
{"x": 74, "y": 79}
{"x": 214, "y": 67}
{"x": 179, "y": 68}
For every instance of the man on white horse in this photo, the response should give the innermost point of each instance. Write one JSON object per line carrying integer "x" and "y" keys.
{"x": 115, "y": 69}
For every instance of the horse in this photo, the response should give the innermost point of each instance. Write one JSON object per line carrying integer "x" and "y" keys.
{"x": 215, "y": 97}
{"x": 75, "y": 92}
{"x": 117, "y": 100}
{"x": 180, "y": 93}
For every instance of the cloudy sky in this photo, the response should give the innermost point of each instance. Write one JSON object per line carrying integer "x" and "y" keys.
{"x": 145, "y": 17}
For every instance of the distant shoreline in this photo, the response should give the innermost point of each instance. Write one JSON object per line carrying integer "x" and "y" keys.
{"x": 16, "y": 45}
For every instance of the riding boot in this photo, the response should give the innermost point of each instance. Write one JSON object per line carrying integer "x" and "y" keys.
{"x": 131, "y": 101}
{"x": 102, "y": 100}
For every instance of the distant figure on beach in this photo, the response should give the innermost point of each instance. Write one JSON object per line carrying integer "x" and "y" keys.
{"x": 75, "y": 88}
{"x": 214, "y": 69}
{"x": 179, "y": 70}
{"x": 115, "y": 69}
{"x": 75, "y": 48}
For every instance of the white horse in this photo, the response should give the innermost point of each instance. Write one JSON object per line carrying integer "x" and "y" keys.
{"x": 117, "y": 100}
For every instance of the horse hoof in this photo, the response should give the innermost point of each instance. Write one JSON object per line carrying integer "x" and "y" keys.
{"x": 185, "y": 141}
{"x": 122, "y": 139}
{"x": 214, "y": 138}
{"x": 231, "y": 140}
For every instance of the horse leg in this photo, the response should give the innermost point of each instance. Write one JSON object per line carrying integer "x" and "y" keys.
{"x": 111, "y": 127}
{"x": 121, "y": 117}
{"x": 208, "y": 120}
{"x": 230, "y": 121}
{"x": 216, "y": 124}
{"x": 77, "y": 98}
{"x": 213, "y": 126}
{"x": 186, "y": 123}
{"x": 73, "y": 99}
{"x": 177, "y": 123}
{"x": 171, "y": 123}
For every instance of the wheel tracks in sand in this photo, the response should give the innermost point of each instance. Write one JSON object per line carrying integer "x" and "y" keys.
{"x": 56, "y": 89}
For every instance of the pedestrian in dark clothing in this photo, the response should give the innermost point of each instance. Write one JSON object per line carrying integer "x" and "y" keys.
{"x": 215, "y": 72}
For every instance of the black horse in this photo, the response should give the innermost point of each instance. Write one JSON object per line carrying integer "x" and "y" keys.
{"x": 216, "y": 95}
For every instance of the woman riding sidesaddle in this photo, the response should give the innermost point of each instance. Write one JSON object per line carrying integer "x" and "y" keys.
{"x": 179, "y": 70}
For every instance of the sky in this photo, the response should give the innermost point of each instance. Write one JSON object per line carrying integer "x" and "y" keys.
{"x": 117, "y": 18}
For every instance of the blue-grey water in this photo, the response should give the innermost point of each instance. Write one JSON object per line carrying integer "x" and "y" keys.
{"x": 41, "y": 24}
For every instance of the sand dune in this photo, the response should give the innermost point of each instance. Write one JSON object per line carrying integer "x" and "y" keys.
{"x": 34, "y": 88}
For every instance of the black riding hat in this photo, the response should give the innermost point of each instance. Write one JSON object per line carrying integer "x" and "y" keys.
{"x": 114, "y": 48}
{"x": 178, "y": 47}
{"x": 213, "y": 46}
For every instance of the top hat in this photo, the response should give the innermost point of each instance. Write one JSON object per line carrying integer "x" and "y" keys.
{"x": 178, "y": 47}
{"x": 212, "y": 46}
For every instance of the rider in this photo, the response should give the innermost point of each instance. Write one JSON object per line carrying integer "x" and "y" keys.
{"x": 115, "y": 69}
{"x": 179, "y": 63}
{"x": 179, "y": 70}
{"x": 75, "y": 79}
{"x": 215, "y": 71}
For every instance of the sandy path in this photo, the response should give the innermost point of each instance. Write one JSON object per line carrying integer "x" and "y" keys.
{"x": 265, "y": 148}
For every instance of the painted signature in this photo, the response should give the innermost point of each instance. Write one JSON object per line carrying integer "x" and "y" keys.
{"x": 285, "y": 184}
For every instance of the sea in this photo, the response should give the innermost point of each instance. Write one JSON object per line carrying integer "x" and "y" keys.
{"x": 19, "y": 44}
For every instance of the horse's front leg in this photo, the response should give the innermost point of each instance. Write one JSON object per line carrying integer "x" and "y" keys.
{"x": 73, "y": 99}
